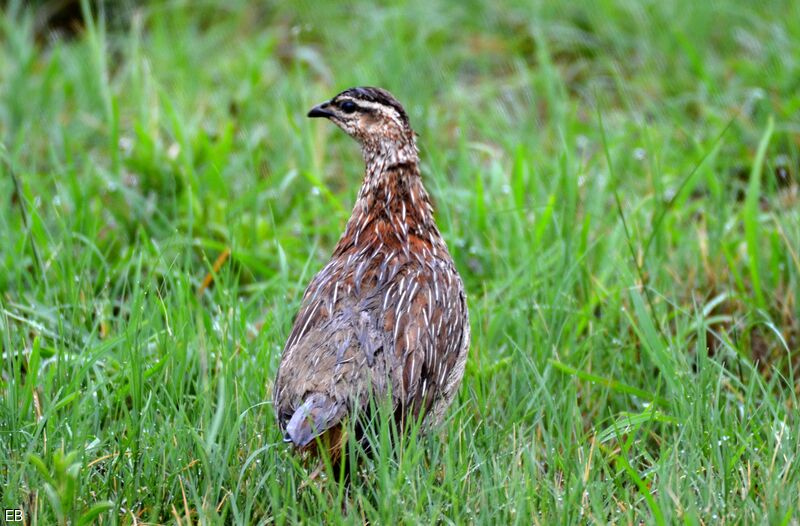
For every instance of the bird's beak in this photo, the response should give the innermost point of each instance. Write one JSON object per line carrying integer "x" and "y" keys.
{"x": 321, "y": 110}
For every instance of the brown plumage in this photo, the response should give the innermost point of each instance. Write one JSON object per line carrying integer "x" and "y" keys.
{"x": 388, "y": 313}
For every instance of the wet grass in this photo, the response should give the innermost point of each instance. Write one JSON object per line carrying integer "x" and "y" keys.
{"x": 617, "y": 181}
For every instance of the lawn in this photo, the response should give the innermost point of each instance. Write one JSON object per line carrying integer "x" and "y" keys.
{"x": 618, "y": 182}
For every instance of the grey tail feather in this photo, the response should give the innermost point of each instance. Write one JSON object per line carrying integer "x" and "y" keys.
{"x": 317, "y": 414}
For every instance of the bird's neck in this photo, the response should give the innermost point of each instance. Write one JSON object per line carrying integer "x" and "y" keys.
{"x": 392, "y": 204}
{"x": 383, "y": 152}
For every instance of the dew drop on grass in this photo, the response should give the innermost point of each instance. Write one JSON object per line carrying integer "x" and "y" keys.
{"x": 125, "y": 144}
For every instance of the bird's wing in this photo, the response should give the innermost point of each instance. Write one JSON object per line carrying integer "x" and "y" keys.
{"x": 428, "y": 331}
{"x": 406, "y": 336}
{"x": 332, "y": 357}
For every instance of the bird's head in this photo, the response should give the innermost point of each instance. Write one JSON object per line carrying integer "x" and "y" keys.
{"x": 372, "y": 116}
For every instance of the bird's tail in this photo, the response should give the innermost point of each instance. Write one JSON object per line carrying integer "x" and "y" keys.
{"x": 317, "y": 414}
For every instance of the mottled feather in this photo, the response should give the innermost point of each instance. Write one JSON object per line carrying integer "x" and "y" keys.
{"x": 388, "y": 313}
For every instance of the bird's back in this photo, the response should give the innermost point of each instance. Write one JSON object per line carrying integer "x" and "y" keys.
{"x": 379, "y": 318}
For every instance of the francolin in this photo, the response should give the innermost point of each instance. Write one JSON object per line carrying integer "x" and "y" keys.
{"x": 386, "y": 319}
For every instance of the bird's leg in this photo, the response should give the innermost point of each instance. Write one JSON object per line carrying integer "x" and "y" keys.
{"x": 332, "y": 442}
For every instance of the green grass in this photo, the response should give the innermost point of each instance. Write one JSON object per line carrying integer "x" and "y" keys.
{"x": 604, "y": 174}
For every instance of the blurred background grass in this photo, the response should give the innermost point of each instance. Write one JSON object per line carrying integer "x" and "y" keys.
{"x": 617, "y": 181}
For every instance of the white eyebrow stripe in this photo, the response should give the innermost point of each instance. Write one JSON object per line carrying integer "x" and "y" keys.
{"x": 365, "y": 104}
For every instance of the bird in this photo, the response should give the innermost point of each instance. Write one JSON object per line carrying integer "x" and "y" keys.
{"x": 386, "y": 319}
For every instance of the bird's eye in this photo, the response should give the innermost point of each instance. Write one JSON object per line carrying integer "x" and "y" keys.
{"x": 348, "y": 106}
